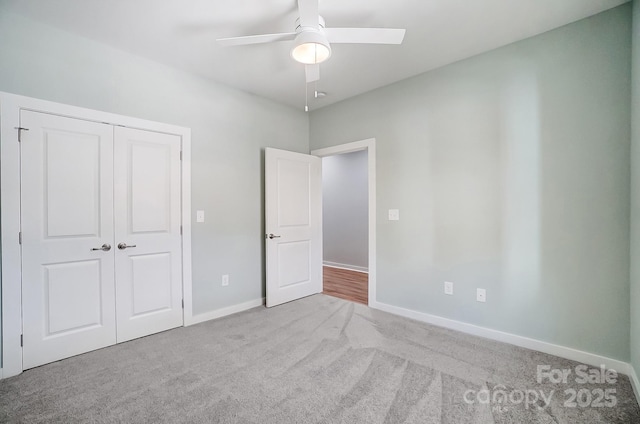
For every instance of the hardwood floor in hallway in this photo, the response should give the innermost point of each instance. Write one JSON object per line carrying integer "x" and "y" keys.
{"x": 346, "y": 284}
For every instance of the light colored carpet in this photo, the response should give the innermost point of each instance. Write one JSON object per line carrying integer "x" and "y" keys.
{"x": 319, "y": 359}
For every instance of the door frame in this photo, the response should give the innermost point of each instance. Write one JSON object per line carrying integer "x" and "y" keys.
{"x": 11, "y": 283}
{"x": 370, "y": 146}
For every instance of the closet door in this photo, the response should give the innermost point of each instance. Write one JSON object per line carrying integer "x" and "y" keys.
{"x": 67, "y": 237}
{"x": 147, "y": 232}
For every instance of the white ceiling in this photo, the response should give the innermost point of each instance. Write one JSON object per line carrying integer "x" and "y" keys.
{"x": 182, "y": 33}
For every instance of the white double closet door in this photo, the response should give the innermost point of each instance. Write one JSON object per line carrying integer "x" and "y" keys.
{"x": 101, "y": 243}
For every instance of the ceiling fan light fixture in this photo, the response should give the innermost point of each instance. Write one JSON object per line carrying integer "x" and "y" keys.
{"x": 311, "y": 48}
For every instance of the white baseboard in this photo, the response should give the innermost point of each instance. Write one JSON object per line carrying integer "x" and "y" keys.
{"x": 533, "y": 344}
{"x": 346, "y": 266}
{"x": 222, "y": 312}
{"x": 635, "y": 383}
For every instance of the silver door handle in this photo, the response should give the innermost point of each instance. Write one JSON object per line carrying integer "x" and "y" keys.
{"x": 272, "y": 236}
{"x": 105, "y": 247}
{"x": 123, "y": 246}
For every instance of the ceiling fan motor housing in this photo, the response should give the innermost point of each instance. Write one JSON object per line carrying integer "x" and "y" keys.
{"x": 311, "y": 45}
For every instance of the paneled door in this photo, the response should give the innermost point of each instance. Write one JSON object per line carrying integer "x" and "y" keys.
{"x": 68, "y": 291}
{"x": 147, "y": 228}
{"x": 293, "y": 209}
{"x": 101, "y": 242}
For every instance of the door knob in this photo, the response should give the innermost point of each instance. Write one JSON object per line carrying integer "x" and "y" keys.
{"x": 272, "y": 236}
{"x": 123, "y": 246}
{"x": 105, "y": 247}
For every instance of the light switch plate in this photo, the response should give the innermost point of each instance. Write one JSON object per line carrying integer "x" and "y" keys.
{"x": 448, "y": 287}
{"x": 200, "y": 216}
{"x": 394, "y": 215}
{"x": 481, "y": 295}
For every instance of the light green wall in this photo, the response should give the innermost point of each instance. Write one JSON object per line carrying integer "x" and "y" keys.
{"x": 511, "y": 172}
{"x": 635, "y": 191}
{"x": 229, "y": 130}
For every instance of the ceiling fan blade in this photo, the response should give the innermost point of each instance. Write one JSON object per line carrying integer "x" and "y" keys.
{"x": 309, "y": 15}
{"x": 365, "y": 35}
{"x": 312, "y": 73}
{"x": 256, "y": 39}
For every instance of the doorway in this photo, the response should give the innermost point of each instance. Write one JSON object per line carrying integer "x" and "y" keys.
{"x": 349, "y": 221}
{"x": 345, "y": 219}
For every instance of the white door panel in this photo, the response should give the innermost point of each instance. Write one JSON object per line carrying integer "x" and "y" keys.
{"x": 67, "y": 197}
{"x": 64, "y": 281}
{"x": 151, "y": 291}
{"x": 293, "y": 190}
{"x": 147, "y": 218}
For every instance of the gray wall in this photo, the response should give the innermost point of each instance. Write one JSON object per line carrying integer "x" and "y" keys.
{"x": 511, "y": 171}
{"x": 635, "y": 192}
{"x": 229, "y": 130}
{"x": 345, "y": 209}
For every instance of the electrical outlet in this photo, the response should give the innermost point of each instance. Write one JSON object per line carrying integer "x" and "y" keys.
{"x": 394, "y": 215}
{"x": 448, "y": 287}
{"x": 481, "y": 295}
{"x": 225, "y": 280}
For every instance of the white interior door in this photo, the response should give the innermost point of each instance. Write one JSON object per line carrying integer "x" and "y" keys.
{"x": 67, "y": 216}
{"x": 293, "y": 209}
{"x": 147, "y": 222}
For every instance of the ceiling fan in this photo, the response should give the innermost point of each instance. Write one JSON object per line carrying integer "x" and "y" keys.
{"x": 312, "y": 40}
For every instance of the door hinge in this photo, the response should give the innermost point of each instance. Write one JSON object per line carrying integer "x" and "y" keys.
{"x": 181, "y": 230}
{"x": 21, "y": 341}
{"x": 180, "y": 154}
{"x": 20, "y": 129}
{"x": 182, "y": 303}
{"x": 20, "y": 237}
